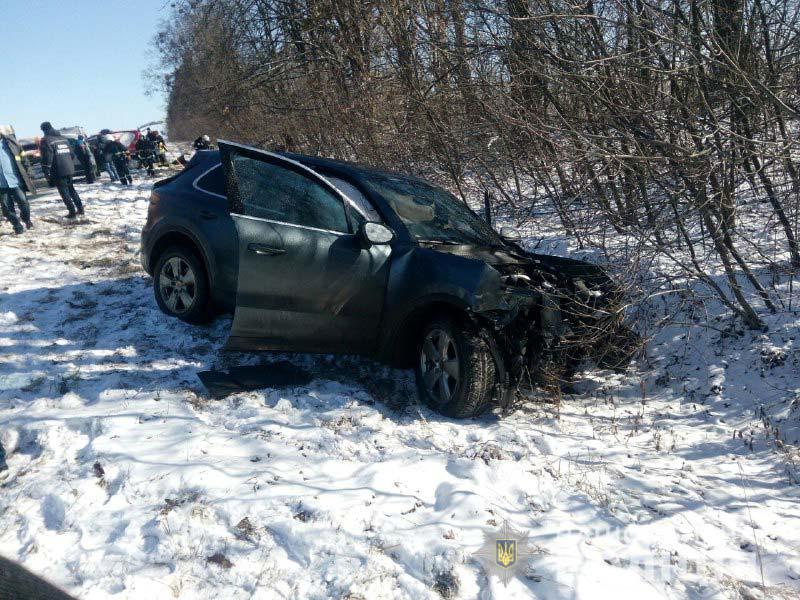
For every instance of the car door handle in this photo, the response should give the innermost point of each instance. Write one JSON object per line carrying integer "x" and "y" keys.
{"x": 265, "y": 250}
{"x": 207, "y": 214}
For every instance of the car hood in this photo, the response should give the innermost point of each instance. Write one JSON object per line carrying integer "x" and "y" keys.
{"x": 510, "y": 256}
{"x": 491, "y": 256}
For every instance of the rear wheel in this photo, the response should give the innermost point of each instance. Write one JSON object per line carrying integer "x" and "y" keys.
{"x": 181, "y": 286}
{"x": 455, "y": 371}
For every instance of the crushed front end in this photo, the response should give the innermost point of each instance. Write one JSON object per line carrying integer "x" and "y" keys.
{"x": 543, "y": 322}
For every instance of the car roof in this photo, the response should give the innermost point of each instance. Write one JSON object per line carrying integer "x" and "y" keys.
{"x": 317, "y": 162}
{"x": 351, "y": 168}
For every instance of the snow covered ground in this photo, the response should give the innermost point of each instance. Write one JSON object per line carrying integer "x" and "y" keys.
{"x": 676, "y": 479}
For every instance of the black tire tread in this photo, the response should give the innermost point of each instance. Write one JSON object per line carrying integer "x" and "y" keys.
{"x": 476, "y": 388}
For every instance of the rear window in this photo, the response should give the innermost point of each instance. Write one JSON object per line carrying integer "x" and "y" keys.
{"x": 212, "y": 182}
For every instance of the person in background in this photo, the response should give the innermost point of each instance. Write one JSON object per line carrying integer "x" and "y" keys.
{"x": 106, "y": 159}
{"x": 202, "y": 143}
{"x": 23, "y": 166}
{"x": 14, "y": 182}
{"x": 118, "y": 154}
{"x": 87, "y": 158}
{"x": 161, "y": 146}
{"x": 59, "y": 167}
{"x": 146, "y": 152}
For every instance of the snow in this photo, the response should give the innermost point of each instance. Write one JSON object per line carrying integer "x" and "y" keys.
{"x": 678, "y": 478}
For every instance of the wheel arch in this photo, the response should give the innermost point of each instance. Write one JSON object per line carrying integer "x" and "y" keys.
{"x": 185, "y": 239}
{"x": 400, "y": 346}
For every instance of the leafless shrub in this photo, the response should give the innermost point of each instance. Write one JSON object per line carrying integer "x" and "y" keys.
{"x": 642, "y": 126}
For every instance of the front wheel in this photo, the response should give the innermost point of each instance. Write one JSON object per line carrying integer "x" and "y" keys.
{"x": 180, "y": 285}
{"x": 455, "y": 371}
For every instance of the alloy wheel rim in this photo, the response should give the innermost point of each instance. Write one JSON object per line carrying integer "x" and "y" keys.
{"x": 177, "y": 284}
{"x": 439, "y": 365}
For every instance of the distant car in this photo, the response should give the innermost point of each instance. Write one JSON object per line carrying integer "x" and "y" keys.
{"x": 30, "y": 149}
{"x": 31, "y": 152}
{"x": 317, "y": 255}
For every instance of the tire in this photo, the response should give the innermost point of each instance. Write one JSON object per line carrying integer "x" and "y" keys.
{"x": 190, "y": 301}
{"x": 469, "y": 389}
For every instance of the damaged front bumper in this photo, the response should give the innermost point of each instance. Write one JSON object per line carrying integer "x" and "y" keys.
{"x": 540, "y": 328}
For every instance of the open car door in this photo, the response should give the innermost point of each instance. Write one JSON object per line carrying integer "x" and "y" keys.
{"x": 307, "y": 281}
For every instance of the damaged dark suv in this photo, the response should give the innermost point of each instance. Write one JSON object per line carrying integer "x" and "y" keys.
{"x": 315, "y": 255}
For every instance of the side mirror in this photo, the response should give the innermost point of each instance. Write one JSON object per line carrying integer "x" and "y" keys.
{"x": 375, "y": 233}
{"x": 510, "y": 234}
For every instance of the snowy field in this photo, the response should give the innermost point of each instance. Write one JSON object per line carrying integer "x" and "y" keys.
{"x": 677, "y": 479}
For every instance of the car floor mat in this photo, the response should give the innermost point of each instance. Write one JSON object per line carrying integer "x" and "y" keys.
{"x": 278, "y": 374}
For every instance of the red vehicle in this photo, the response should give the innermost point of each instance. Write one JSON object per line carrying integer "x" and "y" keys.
{"x": 128, "y": 138}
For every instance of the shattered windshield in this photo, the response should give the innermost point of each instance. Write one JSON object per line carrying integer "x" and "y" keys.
{"x": 431, "y": 214}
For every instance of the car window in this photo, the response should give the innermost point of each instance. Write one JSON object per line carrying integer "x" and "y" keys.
{"x": 213, "y": 182}
{"x": 431, "y": 213}
{"x": 363, "y": 210}
{"x": 270, "y": 191}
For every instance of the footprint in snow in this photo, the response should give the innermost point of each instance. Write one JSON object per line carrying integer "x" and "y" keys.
{"x": 53, "y": 512}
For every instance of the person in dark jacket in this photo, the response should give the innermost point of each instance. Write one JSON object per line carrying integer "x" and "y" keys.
{"x": 154, "y": 135}
{"x": 59, "y": 167}
{"x": 161, "y": 146}
{"x": 14, "y": 182}
{"x": 23, "y": 165}
{"x": 202, "y": 143}
{"x": 146, "y": 152}
{"x": 87, "y": 159}
{"x": 118, "y": 154}
{"x": 103, "y": 157}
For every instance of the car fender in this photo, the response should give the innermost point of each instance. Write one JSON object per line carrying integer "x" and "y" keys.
{"x": 183, "y": 226}
{"x": 421, "y": 277}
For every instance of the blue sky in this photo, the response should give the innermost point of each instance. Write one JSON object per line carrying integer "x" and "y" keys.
{"x": 77, "y": 62}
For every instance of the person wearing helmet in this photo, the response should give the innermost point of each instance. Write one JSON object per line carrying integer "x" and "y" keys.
{"x": 58, "y": 164}
{"x": 161, "y": 146}
{"x": 146, "y": 153}
{"x": 202, "y": 143}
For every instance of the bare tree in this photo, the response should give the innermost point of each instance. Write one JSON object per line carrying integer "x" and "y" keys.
{"x": 652, "y": 120}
